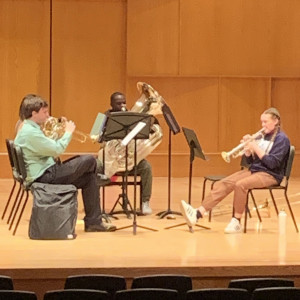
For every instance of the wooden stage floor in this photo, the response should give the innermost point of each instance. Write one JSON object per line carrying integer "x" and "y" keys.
{"x": 211, "y": 257}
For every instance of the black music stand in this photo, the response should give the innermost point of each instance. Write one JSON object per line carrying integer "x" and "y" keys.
{"x": 175, "y": 128}
{"x": 126, "y": 126}
{"x": 195, "y": 150}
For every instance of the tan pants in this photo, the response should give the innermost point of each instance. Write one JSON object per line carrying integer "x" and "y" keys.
{"x": 239, "y": 182}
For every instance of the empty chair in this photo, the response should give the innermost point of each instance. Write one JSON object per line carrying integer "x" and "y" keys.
{"x": 147, "y": 294}
{"x": 180, "y": 283}
{"x": 17, "y": 295}
{"x": 277, "y": 293}
{"x": 108, "y": 283}
{"x": 218, "y": 294}
{"x": 6, "y": 283}
{"x": 77, "y": 294}
{"x": 250, "y": 284}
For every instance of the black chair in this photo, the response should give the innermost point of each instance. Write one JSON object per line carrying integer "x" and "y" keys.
{"x": 108, "y": 283}
{"x": 250, "y": 284}
{"x": 180, "y": 283}
{"x": 277, "y": 293}
{"x": 21, "y": 169}
{"x": 16, "y": 178}
{"x": 284, "y": 186}
{"x": 218, "y": 294}
{"x": 77, "y": 294}
{"x": 6, "y": 283}
{"x": 17, "y": 295}
{"x": 122, "y": 196}
{"x": 147, "y": 294}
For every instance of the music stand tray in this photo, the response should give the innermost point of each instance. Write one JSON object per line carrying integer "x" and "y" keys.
{"x": 126, "y": 126}
{"x": 195, "y": 151}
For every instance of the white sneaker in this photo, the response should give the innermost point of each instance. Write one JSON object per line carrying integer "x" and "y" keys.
{"x": 146, "y": 209}
{"x": 234, "y": 226}
{"x": 189, "y": 213}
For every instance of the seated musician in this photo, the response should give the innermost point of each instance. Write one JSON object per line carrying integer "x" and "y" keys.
{"x": 39, "y": 152}
{"x": 267, "y": 160}
{"x": 118, "y": 103}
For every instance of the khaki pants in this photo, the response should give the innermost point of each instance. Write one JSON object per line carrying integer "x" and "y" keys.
{"x": 239, "y": 182}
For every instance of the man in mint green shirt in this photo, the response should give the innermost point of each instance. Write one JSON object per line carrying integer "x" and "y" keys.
{"x": 39, "y": 155}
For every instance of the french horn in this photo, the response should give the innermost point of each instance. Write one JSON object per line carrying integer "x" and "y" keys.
{"x": 54, "y": 128}
{"x": 150, "y": 102}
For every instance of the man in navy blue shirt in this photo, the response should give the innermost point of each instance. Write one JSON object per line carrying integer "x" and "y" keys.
{"x": 267, "y": 159}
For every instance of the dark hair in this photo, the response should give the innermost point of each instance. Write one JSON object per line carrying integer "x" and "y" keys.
{"x": 114, "y": 95}
{"x": 30, "y": 103}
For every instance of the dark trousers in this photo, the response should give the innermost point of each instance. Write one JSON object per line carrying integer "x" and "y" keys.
{"x": 81, "y": 172}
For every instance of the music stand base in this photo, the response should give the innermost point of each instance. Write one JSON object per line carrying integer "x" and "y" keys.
{"x": 190, "y": 228}
{"x": 134, "y": 227}
{"x": 164, "y": 213}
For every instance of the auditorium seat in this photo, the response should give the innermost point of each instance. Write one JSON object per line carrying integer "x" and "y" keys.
{"x": 147, "y": 294}
{"x": 277, "y": 293}
{"x": 77, "y": 294}
{"x": 6, "y": 283}
{"x": 17, "y": 295}
{"x": 108, "y": 283}
{"x": 218, "y": 293}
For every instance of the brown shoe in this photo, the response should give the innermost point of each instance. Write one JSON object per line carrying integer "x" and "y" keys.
{"x": 103, "y": 227}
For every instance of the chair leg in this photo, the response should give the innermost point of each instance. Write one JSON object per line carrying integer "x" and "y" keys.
{"x": 9, "y": 199}
{"x": 15, "y": 203}
{"x": 16, "y": 210}
{"x": 246, "y": 207}
{"x": 254, "y": 202}
{"x": 21, "y": 213}
{"x": 274, "y": 203}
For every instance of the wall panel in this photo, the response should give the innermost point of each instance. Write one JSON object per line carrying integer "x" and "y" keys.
{"x": 152, "y": 37}
{"x": 88, "y": 60}
{"x": 240, "y": 37}
{"x": 24, "y": 58}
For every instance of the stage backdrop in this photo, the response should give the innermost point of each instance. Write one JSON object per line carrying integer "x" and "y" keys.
{"x": 218, "y": 65}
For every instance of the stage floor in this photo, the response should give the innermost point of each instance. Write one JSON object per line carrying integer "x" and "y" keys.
{"x": 211, "y": 257}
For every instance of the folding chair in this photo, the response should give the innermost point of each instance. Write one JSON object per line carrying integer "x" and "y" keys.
{"x": 20, "y": 164}
{"x": 284, "y": 186}
{"x": 16, "y": 178}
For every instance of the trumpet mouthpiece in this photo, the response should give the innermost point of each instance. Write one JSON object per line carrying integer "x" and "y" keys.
{"x": 225, "y": 156}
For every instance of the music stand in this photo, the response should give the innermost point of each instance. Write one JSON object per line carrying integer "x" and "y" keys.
{"x": 195, "y": 151}
{"x": 128, "y": 126}
{"x": 174, "y": 128}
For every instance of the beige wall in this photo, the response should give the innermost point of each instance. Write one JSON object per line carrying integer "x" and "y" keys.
{"x": 218, "y": 64}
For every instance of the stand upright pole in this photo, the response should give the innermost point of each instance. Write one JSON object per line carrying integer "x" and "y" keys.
{"x": 162, "y": 214}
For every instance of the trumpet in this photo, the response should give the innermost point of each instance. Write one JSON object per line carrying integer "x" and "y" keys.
{"x": 54, "y": 128}
{"x": 239, "y": 150}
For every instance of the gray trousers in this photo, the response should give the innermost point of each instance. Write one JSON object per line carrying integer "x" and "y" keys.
{"x": 144, "y": 170}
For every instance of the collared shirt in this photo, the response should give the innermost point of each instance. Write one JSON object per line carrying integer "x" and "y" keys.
{"x": 38, "y": 150}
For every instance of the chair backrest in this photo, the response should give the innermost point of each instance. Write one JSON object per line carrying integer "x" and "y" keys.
{"x": 147, "y": 294}
{"x": 12, "y": 159}
{"x": 277, "y": 293}
{"x": 218, "y": 293}
{"x": 77, "y": 294}
{"x": 180, "y": 283}
{"x": 250, "y": 284}
{"x": 109, "y": 283}
{"x": 6, "y": 283}
{"x": 289, "y": 163}
{"x": 17, "y": 295}
{"x": 20, "y": 164}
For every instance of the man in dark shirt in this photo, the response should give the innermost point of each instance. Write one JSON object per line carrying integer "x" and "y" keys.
{"x": 267, "y": 159}
{"x": 144, "y": 170}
